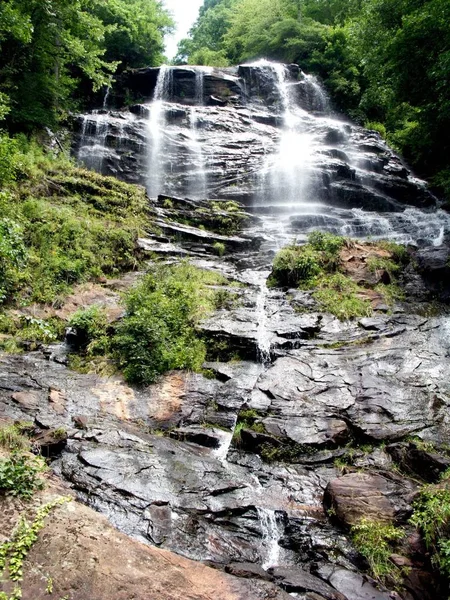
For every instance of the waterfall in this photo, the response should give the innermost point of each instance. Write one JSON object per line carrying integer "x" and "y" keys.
{"x": 94, "y": 131}
{"x": 197, "y": 180}
{"x": 270, "y": 537}
{"x": 226, "y": 439}
{"x": 156, "y": 127}
{"x": 317, "y": 97}
{"x": 106, "y": 98}
{"x": 286, "y": 176}
{"x": 274, "y": 146}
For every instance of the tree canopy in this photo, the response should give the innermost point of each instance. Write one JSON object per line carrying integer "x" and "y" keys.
{"x": 50, "y": 48}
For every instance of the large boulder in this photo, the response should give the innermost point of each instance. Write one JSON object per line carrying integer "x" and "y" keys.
{"x": 385, "y": 498}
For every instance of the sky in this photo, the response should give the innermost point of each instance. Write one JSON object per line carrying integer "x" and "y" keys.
{"x": 185, "y": 13}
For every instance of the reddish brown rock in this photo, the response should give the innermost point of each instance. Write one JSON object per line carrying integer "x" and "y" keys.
{"x": 383, "y": 498}
{"x": 27, "y": 400}
{"x": 85, "y": 558}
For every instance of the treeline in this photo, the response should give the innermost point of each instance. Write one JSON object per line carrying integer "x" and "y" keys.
{"x": 55, "y": 53}
{"x": 386, "y": 63}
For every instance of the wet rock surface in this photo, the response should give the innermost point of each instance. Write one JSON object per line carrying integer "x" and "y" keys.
{"x": 102, "y": 563}
{"x": 240, "y": 466}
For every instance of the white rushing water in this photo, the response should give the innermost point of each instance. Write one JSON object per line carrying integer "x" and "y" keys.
{"x": 287, "y": 174}
{"x": 270, "y": 537}
{"x": 156, "y": 128}
{"x": 93, "y": 148}
{"x": 197, "y": 179}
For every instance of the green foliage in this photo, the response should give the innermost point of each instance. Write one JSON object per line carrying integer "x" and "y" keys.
{"x": 135, "y": 31}
{"x": 375, "y": 541}
{"x": 9, "y": 159}
{"x": 219, "y": 248}
{"x": 14, "y": 551}
{"x": 20, "y": 474}
{"x": 296, "y": 264}
{"x": 64, "y": 225}
{"x": 13, "y": 254}
{"x": 326, "y": 242}
{"x": 398, "y": 251}
{"x": 91, "y": 325}
{"x": 12, "y": 438}
{"x": 247, "y": 419}
{"x": 54, "y": 51}
{"x": 158, "y": 332}
{"x": 316, "y": 266}
{"x": 432, "y": 517}
{"x": 340, "y": 296}
{"x": 375, "y": 126}
{"x": 377, "y": 263}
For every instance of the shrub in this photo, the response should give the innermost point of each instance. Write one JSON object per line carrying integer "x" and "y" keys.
{"x": 294, "y": 265}
{"x": 9, "y": 159}
{"x": 338, "y": 295}
{"x": 300, "y": 265}
{"x": 20, "y": 474}
{"x": 12, "y": 438}
{"x": 12, "y": 256}
{"x": 375, "y": 126}
{"x": 158, "y": 333}
{"x": 432, "y": 517}
{"x": 326, "y": 242}
{"x": 91, "y": 326}
{"x": 219, "y": 248}
{"x": 374, "y": 541}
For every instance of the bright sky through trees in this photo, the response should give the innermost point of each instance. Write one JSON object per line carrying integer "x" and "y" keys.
{"x": 185, "y": 12}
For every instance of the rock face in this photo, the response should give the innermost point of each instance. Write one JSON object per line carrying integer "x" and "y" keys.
{"x": 100, "y": 563}
{"x": 381, "y": 498}
{"x": 248, "y": 465}
{"x": 262, "y": 134}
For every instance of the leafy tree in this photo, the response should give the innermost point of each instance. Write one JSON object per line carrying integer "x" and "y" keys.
{"x": 136, "y": 33}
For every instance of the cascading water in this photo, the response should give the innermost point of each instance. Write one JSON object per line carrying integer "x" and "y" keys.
{"x": 317, "y": 96}
{"x": 270, "y": 537}
{"x": 275, "y": 146}
{"x": 197, "y": 180}
{"x": 287, "y": 173}
{"x": 156, "y": 127}
{"x": 95, "y": 129}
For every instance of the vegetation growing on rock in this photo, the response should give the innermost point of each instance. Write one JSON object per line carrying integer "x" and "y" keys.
{"x": 324, "y": 266}
{"x": 376, "y": 542}
{"x": 432, "y": 518}
{"x": 158, "y": 331}
{"x": 62, "y": 225}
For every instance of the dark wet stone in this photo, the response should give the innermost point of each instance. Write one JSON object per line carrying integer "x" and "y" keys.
{"x": 248, "y": 571}
{"x": 434, "y": 266}
{"x": 300, "y": 580}
{"x": 353, "y": 586}
{"x": 427, "y": 465}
